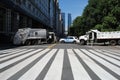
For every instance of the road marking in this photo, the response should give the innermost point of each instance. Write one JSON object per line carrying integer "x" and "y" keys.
{"x": 15, "y": 59}
{"x": 35, "y": 61}
{"x": 105, "y": 63}
{"x": 55, "y": 71}
{"x": 113, "y": 52}
{"x": 66, "y": 71}
{"x": 11, "y": 71}
{"x": 51, "y": 46}
{"x": 107, "y": 58}
{"x": 96, "y": 68}
{"x": 37, "y": 68}
{"x": 8, "y": 57}
{"x": 78, "y": 70}
{"x": 12, "y": 53}
{"x": 7, "y": 50}
{"x": 108, "y": 54}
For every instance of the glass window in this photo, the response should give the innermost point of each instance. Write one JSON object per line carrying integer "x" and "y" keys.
{"x": 18, "y": 1}
{"x": 24, "y": 2}
{"x": 2, "y": 18}
{"x": 29, "y": 6}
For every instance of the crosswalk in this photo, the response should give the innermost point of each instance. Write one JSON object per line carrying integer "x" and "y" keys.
{"x": 59, "y": 64}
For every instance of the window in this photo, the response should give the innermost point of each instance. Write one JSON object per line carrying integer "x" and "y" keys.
{"x": 29, "y": 6}
{"x": 70, "y": 37}
{"x": 36, "y": 33}
{"x": 33, "y": 9}
{"x": 24, "y": 2}
{"x": 18, "y": 1}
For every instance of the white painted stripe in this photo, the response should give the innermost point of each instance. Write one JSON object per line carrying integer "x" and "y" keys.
{"x": 16, "y": 51}
{"x": 9, "y": 72}
{"x": 105, "y": 63}
{"x": 103, "y": 75}
{"x": 106, "y": 57}
{"x": 18, "y": 58}
{"x": 38, "y": 67}
{"x": 10, "y": 56}
{"x": 8, "y": 50}
{"x": 78, "y": 70}
{"x": 108, "y": 54}
{"x": 34, "y": 46}
{"x": 55, "y": 71}
{"x": 116, "y": 52}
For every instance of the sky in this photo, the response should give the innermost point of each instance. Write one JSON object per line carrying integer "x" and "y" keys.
{"x": 75, "y": 7}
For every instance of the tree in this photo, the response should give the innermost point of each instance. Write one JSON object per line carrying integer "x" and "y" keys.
{"x": 99, "y": 14}
{"x": 110, "y": 22}
{"x": 76, "y": 28}
{"x": 99, "y": 27}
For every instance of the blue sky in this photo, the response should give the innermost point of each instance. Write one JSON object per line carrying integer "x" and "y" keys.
{"x": 75, "y": 7}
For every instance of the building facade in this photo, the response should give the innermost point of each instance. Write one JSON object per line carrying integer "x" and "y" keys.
{"x": 15, "y": 14}
{"x": 63, "y": 23}
{"x": 69, "y": 21}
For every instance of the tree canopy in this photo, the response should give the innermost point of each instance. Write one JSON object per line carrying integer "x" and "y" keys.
{"x": 103, "y": 15}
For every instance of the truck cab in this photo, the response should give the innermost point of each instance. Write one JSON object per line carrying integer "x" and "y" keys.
{"x": 83, "y": 39}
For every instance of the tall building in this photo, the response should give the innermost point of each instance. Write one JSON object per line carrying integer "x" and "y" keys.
{"x": 63, "y": 22}
{"x": 69, "y": 20}
{"x": 52, "y": 11}
{"x": 63, "y": 19}
{"x": 15, "y": 14}
{"x": 59, "y": 28}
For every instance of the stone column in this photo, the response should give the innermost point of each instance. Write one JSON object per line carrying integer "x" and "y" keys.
{"x": 15, "y": 21}
{"x": 29, "y": 23}
{"x": 8, "y": 21}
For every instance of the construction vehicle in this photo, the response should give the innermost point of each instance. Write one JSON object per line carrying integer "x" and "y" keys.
{"x": 95, "y": 36}
{"x": 29, "y": 36}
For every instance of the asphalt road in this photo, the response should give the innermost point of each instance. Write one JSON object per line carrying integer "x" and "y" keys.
{"x": 60, "y": 62}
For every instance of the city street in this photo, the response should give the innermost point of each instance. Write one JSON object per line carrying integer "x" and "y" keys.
{"x": 60, "y": 62}
{"x": 59, "y": 39}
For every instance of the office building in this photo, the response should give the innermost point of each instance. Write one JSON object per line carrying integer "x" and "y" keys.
{"x": 15, "y": 14}
{"x": 69, "y": 20}
{"x": 63, "y": 23}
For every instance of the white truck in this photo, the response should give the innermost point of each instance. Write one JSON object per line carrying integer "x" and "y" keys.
{"x": 96, "y": 36}
{"x": 28, "y": 36}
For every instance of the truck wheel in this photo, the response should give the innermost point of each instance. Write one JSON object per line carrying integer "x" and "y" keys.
{"x": 118, "y": 42}
{"x": 35, "y": 42}
{"x": 26, "y": 42}
{"x": 39, "y": 41}
{"x": 82, "y": 42}
{"x": 74, "y": 42}
{"x": 113, "y": 42}
{"x": 62, "y": 42}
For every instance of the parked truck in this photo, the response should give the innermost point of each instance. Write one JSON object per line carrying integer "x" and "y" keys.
{"x": 96, "y": 36}
{"x": 28, "y": 36}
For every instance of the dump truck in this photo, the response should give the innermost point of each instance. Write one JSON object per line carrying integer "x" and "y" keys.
{"x": 29, "y": 36}
{"x": 95, "y": 36}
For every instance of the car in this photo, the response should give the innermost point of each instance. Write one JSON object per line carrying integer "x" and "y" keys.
{"x": 69, "y": 39}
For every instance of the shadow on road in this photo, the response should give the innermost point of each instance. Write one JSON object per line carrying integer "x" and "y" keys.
{"x": 4, "y": 46}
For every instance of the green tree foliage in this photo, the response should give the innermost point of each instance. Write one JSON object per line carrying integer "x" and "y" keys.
{"x": 99, "y": 27}
{"x": 103, "y": 15}
{"x": 77, "y": 27}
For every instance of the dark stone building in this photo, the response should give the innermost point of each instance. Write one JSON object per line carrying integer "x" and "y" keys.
{"x": 15, "y": 14}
